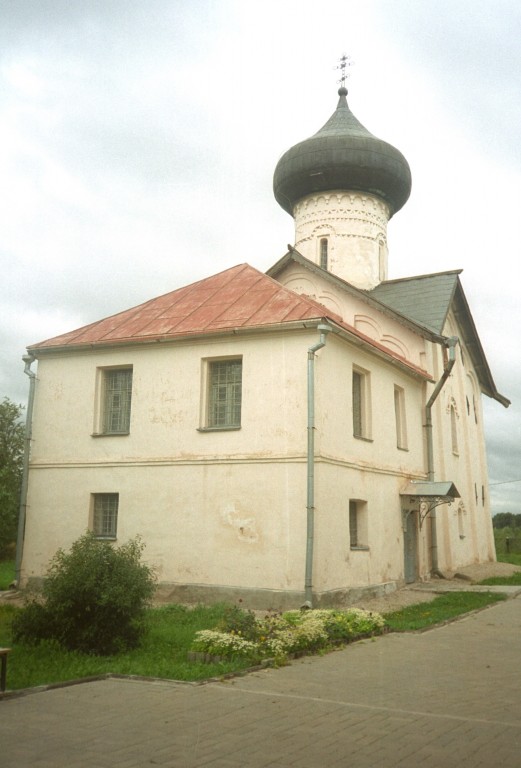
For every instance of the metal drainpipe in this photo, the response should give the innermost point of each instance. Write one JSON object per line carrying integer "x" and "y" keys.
{"x": 28, "y": 360}
{"x": 449, "y": 365}
{"x": 310, "y": 506}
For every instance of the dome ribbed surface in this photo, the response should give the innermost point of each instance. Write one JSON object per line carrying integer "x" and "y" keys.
{"x": 342, "y": 155}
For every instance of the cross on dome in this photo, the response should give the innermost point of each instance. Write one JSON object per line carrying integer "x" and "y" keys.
{"x": 345, "y": 61}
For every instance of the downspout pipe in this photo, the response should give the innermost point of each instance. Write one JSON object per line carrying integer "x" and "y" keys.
{"x": 450, "y": 344}
{"x": 28, "y": 360}
{"x": 323, "y": 329}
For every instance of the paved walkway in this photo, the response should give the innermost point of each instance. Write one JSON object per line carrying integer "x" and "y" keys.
{"x": 443, "y": 698}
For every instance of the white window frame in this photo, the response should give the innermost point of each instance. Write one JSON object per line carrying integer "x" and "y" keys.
{"x": 222, "y": 400}
{"x": 104, "y": 515}
{"x": 107, "y": 420}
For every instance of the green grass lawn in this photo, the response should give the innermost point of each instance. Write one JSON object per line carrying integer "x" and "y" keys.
{"x": 171, "y": 629}
{"x": 163, "y": 653}
{"x": 6, "y": 573}
{"x": 440, "y": 609}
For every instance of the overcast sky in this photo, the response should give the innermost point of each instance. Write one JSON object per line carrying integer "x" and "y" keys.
{"x": 138, "y": 140}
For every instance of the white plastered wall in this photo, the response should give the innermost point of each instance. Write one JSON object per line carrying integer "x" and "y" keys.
{"x": 465, "y": 534}
{"x": 355, "y": 227}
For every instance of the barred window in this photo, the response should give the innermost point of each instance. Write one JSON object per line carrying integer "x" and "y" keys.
{"x": 117, "y": 397}
{"x": 105, "y": 515}
{"x": 224, "y": 393}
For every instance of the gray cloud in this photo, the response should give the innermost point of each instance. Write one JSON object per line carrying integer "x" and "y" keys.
{"x": 472, "y": 53}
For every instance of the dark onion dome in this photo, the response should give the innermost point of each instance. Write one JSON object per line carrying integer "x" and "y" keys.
{"x": 342, "y": 155}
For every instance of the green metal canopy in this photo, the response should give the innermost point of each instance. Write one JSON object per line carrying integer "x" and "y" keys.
{"x": 430, "y": 490}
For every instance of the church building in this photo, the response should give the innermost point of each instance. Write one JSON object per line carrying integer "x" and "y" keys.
{"x": 306, "y": 435}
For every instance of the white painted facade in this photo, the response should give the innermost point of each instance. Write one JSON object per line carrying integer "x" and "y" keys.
{"x": 354, "y": 227}
{"x": 224, "y": 513}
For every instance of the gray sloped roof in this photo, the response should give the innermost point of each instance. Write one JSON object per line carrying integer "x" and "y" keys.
{"x": 427, "y": 488}
{"x": 425, "y": 299}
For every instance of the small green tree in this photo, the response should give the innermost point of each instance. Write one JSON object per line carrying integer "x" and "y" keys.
{"x": 11, "y": 467}
{"x": 94, "y": 598}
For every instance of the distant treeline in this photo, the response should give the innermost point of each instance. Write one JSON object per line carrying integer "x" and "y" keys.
{"x": 506, "y": 520}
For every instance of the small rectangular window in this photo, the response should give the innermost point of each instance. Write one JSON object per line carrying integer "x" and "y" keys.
{"x": 358, "y": 524}
{"x": 401, "y": 422}
{"x": 224, "y": 394}
{"x": 116, "y": 401}
{"x": 353, "y": 524}
{"x": 323, "y": 252}
{"x": 105, "y": 515}
{"x": 361, "y": 404}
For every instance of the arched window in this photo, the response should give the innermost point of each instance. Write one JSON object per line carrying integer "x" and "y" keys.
{"x": 382, "y": 260}
{"x": 323, "y": 252}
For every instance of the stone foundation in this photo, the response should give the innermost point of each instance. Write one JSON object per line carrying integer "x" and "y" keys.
{"x": 268, "y": 599}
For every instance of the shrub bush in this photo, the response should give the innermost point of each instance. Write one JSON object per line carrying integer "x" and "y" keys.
{"x": 93, "y": 599}
{"x": 240, "y": 622}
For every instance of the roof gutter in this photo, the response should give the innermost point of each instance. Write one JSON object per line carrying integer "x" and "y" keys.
{"x": 203, "y": 336}
{"x": 28, "y": 360}
{"x": 450, "y": 343}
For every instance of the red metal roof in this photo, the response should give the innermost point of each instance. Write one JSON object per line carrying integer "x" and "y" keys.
{"x": 240, "y": 297}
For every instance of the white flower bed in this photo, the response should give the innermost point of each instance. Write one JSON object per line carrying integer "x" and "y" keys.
{"x": 278, "y": 635}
